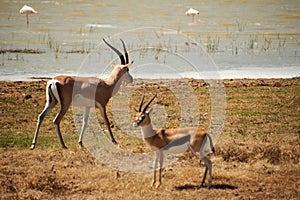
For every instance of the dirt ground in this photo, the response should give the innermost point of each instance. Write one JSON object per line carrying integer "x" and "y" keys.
{"x": 257, "y": 156}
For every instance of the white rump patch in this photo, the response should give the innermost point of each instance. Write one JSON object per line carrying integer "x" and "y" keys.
{"x": 52, "y": 86}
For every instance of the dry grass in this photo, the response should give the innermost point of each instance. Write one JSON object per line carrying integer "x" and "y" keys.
{"x": 257, "y": 155}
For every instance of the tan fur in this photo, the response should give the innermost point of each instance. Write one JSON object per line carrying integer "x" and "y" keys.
{"x": 84, "y": 91}
{"x": 91, "y": 87}
{"x": 157, "y": 140}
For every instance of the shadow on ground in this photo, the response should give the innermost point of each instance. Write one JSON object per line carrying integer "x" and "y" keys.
{"x": 215, "y": 186}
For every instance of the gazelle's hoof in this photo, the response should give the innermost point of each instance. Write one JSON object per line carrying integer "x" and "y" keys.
{"x": 32, "y": 146}
{"x": 209, "y": 186}
{"x": 155, "y": 185}
{"x": 80, "y": 144}
{"x": 114, "y": 141}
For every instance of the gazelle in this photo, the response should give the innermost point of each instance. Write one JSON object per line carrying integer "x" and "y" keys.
{"x": 173, "y": 140}
{"x": 86, "y": 92}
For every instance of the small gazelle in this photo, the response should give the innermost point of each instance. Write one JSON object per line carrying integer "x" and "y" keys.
{"x": 172, "y": 140}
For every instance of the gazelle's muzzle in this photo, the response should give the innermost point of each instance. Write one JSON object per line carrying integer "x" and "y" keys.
{"x": 134, "y": 124}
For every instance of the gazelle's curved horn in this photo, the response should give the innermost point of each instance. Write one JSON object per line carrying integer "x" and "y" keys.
{"x": 141, "y": 103}
{"x": 125, "y": 52}
{"x": 146, "y": 106}
{"x": 117, "y": 51}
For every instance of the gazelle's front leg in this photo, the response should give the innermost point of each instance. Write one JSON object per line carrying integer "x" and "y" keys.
{"x": 154, "y": 168}
{"x": 161, "y": 159}
{"x": 84, "y": 123}
{"x": 158, "y": 156}
{"x": 104, "y": 115}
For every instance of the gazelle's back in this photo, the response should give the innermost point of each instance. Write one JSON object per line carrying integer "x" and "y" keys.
{"x": 197, "y": 136}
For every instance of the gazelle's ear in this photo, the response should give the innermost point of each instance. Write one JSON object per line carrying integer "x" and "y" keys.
{"x": 112, "y": 65}
{"x": 127, "y": 65}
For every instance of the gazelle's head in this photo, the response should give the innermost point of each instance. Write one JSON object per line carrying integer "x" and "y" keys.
{"x": 142, "y": 117}
{"x": 121, "y": 71}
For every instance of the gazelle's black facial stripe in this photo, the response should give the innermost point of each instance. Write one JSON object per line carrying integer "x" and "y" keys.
{"x": 141, "y": 119}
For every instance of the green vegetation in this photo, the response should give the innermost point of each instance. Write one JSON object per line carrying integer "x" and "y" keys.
{"x": 257, "y": 151}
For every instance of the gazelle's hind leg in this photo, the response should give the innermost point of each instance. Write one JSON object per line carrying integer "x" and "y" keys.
{"x": 84, "y": 123}
{"x": 51, "y": 102}
{"x": 208, "y": 167}
{"x": 63, "y": 109}
{"x": 159, "y": 157}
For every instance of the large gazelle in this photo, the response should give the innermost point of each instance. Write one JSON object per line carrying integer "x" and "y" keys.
{"x": 173, "y": 140}
{"x": 86, "y": 92}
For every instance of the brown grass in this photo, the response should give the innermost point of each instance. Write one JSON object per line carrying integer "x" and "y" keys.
{"x": 257, "y": 155}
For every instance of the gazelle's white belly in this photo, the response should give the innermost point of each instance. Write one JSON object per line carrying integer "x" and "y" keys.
{"x": 79, "y": 100}
{"x": 179, "y": 145}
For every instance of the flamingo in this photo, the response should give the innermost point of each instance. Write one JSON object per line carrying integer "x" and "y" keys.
{"x": 192, "y": 12}
{"x": 28, "y": 10}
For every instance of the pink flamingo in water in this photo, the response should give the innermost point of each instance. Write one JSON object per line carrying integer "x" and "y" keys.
{"x": 28, "y": 10}
{"x": 192, "y": 12}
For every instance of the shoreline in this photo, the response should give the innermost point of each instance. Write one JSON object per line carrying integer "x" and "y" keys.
{"x": 43, "y": 78}
{"x": 234, "y": 73}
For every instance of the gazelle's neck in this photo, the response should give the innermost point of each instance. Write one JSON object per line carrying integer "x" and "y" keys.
{"x": 148, "y": 131}
{"x": 114, "y": 81}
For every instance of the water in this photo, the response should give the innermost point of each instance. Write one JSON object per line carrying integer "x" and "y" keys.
{"x": 244, "y": 39}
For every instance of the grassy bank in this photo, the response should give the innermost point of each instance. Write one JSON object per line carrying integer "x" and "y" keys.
{"x": 257, "y": 155}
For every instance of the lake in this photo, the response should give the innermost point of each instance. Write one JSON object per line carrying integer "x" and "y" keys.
{"x": 228, "y": 39}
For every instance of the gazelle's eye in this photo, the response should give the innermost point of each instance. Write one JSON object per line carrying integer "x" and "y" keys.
{"x": 142, "y": 117}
